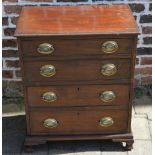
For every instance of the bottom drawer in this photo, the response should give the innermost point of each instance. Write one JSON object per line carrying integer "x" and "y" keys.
{"x": 83, "y": 121}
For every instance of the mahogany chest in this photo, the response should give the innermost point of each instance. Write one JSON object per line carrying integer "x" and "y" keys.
{"x": 77, "y": 67}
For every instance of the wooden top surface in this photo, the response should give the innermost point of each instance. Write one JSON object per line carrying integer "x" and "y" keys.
{"x": 76, "y": 20}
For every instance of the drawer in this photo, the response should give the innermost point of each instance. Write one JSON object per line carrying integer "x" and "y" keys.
{"x": 77, "y": 70}
{"x": 78, "y": 95}
{"x": 68, "y": 47}
{"x": 82, "y": 121}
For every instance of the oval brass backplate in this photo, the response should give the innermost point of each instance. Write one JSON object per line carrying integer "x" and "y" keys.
{"x": 108, "y": 69}
{"x": 45, "y": 48}
{"x": 107, "y": 96}
{"x": 47, "y": 70}
{"x": 49, "y": 97}
{"x": 50, "y": 123}
{"x": 109, "y": 47}
{"x": 106, "y": 121}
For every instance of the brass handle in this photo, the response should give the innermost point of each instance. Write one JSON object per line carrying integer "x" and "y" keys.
{"x": 50, "y": 123}
{"x": 107, "y": 96}
{"x": 47, "y": 70}
{"x": 106, "y": 121}
{"x": 45, "y": 48}
{"x": 49, "y": 97}
{"x": 109, "y": 47}
{"x": 108, "y": 69}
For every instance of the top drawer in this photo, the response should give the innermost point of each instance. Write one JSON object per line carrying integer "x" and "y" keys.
{"x": 70, "y": 47}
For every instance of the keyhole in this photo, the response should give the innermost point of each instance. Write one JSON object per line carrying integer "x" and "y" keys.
{"x": 78, "y": 89}
{"x": 78, "y": 113}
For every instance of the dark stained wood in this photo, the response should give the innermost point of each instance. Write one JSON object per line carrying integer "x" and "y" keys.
{"x": 76, "y": 20}
{"x": 69, "y": 83}
{"x": 77, "y": 57}
{"x": 129, "y": 143}
{"x": 77, "y": 70}
{"x": 84, "y": 95}
{"x": 75, "y": 47}
{"x": 85, "y": 108}
{"x": 36, "y": 140}
{"x": 77, "y": 34}
{"x": 24, "y": 88}
{"x": 133, "y": 62}
{"x": 78, "y": 122}
{"x": 43, "y": 138}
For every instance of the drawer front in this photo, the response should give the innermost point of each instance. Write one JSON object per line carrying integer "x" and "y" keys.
{"x": 78, "y": 95}
{"x": 52, "y": 47}
{"x": 77, "y": 70}
{"x": 78, "y": 121}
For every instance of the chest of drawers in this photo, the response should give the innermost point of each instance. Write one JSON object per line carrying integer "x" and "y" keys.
{"x": 77, "y": 67}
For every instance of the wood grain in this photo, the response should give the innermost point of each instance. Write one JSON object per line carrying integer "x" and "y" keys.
{"x": 81, "y": 70}
{"x": 78, "y": 121}
{"x": 85, "y": 95}
{"x": 77, "y": 34}
{"x": 75, "y": 47}
{"x": 75, "y": 20}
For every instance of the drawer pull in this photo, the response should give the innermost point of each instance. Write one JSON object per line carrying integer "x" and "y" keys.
{"x": 108, "y": 69}
{"x": 47, "y": 70}
{"x": 107, "y": 96}
{"x": 45, "y": 48}
{"x": 50, "y": 123}
{"x": 49, "y": 97}
{"x": 106, "y": 121}
{"x": 109, "y": 47}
